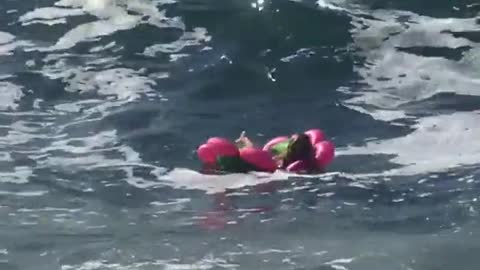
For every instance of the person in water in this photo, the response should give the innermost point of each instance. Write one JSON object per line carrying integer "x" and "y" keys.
{"x": 233, "y": 162}
{"x": 302, "y": 153}
{"x": 298, "y": 147}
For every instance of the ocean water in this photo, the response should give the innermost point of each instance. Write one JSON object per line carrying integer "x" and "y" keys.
{"x": 103, "y": 102}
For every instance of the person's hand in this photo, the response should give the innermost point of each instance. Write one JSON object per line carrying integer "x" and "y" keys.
{"x": 242, "y": 137}
{"x": 278, "y": 160}
{"x": 243, "y": 141}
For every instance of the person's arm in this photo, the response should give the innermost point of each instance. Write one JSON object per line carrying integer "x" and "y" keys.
{"x": 244, "y": 141}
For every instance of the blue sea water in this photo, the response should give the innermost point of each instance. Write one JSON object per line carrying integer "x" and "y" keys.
{"x": 103, "y": 103}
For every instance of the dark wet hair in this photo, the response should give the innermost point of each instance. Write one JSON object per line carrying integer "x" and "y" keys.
{"x": 299, "y": 148}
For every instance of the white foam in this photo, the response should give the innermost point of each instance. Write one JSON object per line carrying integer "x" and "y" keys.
{"x": 76, "y": 106}
{"x": 163, "y": 2}
{"x": 8, "y": 43}
{"x": 6, "y": 37}
{"x": 19, "y": 175}
{"x": 424, "y": 77}
{"x": 329, "y": 5}
{"x": 4, "y": 156}
{"x": 99, "y": 151}
{"x": 172, "y": 202}
{"x": 47, "y": 22}
{"x": 10, "y": 94}
{"x": 209, "y": 262}
{"x": 338, "y": 263}
{"x": 24, "y": 193}
{"x": 103, "y": 48}
{"x": 113, "y": 87}
{"x": 49, "y": 209}
{"x": 113, "y": 16}
{"x": 409, "y": 77}
{"x": 101, "y": 141}
{"x": 94, "y": 153}
{"x": 342, "y": 261}
{"x": 20, "y": 132}
{"x": 197, "y": 37}
{"x": 386, "y": 31}
{"x": 378, "y": 114}
{"x": 187, "y": 179}
{"x": 182, "y": 178}
{"x": 92, "y": 30}
{"x": 7, "y": 49}
{"x": 86, "y": 4}
{"x": 396, "y": 78}
{"x": 123, "y": 83}
{"x": 472, "y": 59}
{"x": 438, "y": 144}
{"x": 48, "y": 15}
{"x": 97, "y": 4}
{"x": 155, "y": 17}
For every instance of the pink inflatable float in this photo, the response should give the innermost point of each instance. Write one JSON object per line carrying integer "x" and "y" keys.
{"x": 225, "y": 155}
{"x": 216, "y": 147}
{"x": 261, "y": 159}
{"x": 324, "y": 153}
{"x": 315, "y": 135}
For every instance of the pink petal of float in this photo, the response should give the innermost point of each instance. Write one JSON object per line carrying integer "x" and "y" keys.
{"x": 219, "y": 140}
{"x": 222, "y": 147}
{"x": 324, "y": 153}
{"x": 261, "y": 159}
{"x": 274, "y": 141}
{"x": 206, "y": 154}
{"x": 315, "y": 135}
{"x": 297, "y": 166}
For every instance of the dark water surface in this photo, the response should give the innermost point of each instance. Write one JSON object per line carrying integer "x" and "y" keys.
{"x": 103, "y": 102}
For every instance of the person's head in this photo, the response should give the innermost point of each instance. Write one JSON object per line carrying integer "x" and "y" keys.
{"x": 299, "y": 148}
